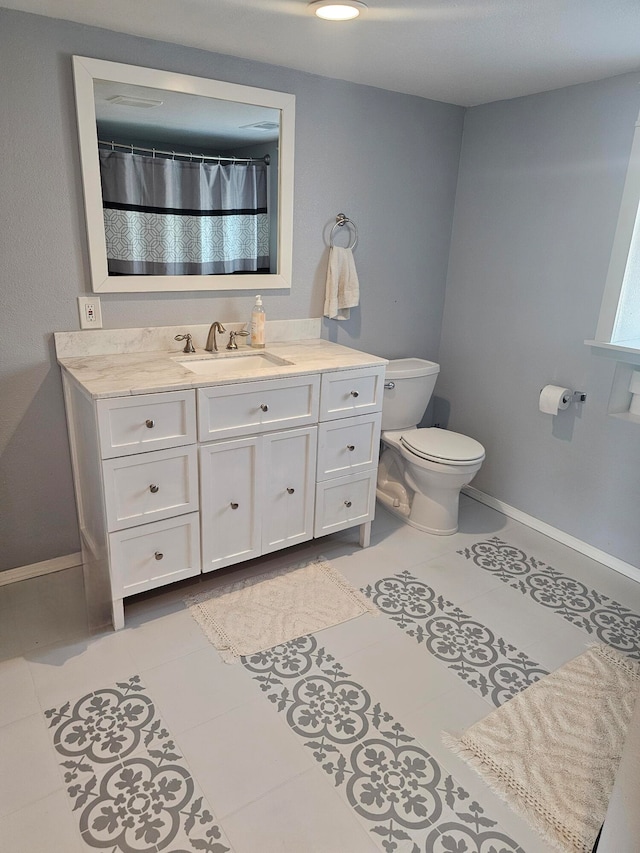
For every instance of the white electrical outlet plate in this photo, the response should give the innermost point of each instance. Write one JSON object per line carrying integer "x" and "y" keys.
{"x": 90, "y": 312}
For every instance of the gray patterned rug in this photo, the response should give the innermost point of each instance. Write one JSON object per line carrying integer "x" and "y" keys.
{"x": 553, "y": 750}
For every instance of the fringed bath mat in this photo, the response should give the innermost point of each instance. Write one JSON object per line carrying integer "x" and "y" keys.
{"x": 249, "y": 616}
{"x": 552, "y": 752}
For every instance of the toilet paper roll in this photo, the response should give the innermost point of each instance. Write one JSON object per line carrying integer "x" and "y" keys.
{"x": 554, "y": 399}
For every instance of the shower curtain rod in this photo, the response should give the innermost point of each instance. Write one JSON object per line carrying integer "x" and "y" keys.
{"x": 266, "y": 159}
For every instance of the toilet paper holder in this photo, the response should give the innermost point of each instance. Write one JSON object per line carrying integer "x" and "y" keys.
{"x": 555, "y": 399}
{"x": 576, "y": 396}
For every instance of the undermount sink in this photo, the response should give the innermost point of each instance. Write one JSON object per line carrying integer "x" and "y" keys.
{"x": 231, "y": 362}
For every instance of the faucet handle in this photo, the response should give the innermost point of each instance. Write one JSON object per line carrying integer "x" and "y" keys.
{"x": 188, "y": 347}
{"x": 232, "y": 338}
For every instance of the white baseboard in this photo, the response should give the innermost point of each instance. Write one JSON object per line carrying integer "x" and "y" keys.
{"x": 596, "y": 554}
{"x": 35, "y": 570}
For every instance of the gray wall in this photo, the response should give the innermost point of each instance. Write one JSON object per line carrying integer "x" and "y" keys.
{"x": 389, "y": 161}
{"x": 539, "y": 188}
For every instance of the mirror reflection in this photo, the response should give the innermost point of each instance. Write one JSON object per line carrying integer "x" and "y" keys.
{"x": 188, "y": 181}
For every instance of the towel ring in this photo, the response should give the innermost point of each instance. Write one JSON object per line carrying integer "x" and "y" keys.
{"x": 342, "y": 220}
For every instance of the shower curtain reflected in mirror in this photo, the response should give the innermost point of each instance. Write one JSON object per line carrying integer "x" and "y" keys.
{"x": 171, "y": 216}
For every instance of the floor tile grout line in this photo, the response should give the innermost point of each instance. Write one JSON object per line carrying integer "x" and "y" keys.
{"x": 34, "y": 802}
{"x": 221, "y": 817}
{"x": 314, "y": 770}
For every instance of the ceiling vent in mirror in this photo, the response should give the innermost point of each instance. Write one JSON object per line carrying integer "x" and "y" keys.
{"x": 263, "y": 125}
{"x": 130, "y": 101}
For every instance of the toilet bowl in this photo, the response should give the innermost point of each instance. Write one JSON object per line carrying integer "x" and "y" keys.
{"x": 421, "y": 471}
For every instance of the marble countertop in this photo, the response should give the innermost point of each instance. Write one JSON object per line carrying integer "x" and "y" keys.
{"x": 121, "y": 374}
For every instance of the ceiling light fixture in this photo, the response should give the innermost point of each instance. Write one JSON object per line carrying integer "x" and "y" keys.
{"x": 342, "y": 10}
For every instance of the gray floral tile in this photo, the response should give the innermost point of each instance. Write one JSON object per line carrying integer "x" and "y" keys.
{"x": 125, "y": 777}
{"x": 486, "y": 662}
{"x": 594, "y": 612}
{"x": 408, "y": 803}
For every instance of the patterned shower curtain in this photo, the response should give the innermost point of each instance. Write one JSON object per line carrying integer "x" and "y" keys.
{"x": 181, "y": 217}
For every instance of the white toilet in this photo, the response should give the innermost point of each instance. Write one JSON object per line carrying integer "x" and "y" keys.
{"x": 421, "y": 471}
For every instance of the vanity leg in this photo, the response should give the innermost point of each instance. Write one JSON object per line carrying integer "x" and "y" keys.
{"x": 365, "y": 534}
{"x": 117, "y": 610}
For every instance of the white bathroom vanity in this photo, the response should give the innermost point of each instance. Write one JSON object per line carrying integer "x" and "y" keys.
{"x": 189, "y": 463}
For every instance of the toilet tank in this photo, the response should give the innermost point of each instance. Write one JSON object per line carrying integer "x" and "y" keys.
{"x": 414, "y": 380}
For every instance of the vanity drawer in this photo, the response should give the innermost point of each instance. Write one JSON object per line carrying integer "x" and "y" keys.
{"x": 227, "y": 411}
{"x": 351, "y": 392}
{"x": 154, "y": 554}
{"x": 150, "y": 486}
{"x": 348, "y": 445}
{"x": 345, "y": 502}
{"x": 146, "y": 422}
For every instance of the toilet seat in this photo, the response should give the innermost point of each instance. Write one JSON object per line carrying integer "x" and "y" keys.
{"x": 441, "y": 445}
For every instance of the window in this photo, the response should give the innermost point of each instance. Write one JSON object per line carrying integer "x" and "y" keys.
{"x": 619, "y": 322}
{"x": 618, "y": 332}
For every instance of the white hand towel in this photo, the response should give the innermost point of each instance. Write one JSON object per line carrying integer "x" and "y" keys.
{"x": 343, "y": 288}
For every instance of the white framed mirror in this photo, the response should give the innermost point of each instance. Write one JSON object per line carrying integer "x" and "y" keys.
{"x": 188, "y": 182}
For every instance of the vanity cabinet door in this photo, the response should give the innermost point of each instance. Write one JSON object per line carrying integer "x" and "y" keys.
{"x": 344, "y": 393}
{"x": 230, "y": 479}
{"x": 289, "y": 487}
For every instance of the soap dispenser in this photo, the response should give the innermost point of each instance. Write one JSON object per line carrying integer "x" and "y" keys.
{"x": 257, "y": 324}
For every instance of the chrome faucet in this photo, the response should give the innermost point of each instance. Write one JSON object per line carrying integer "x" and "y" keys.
{"x": 212, "y": 344}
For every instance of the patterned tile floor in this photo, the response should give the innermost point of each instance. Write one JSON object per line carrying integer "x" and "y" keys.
{"x": 145, "y": 741}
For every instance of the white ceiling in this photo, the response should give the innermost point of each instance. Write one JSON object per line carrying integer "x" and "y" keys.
{"x": 464, "y": 52}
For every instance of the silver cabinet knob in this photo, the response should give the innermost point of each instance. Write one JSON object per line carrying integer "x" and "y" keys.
{"x": 264, "y": 407}
{"x": 355, "y": 394}
{"x": 234, "y": 505}
{"x": 290, "y": 490}
{"x": 347, "y": 504}
{"x": 158, "y": 555}
{"x": 150, "y": 423}
{"x": 351, "y": 447}
{"x": 153, "y": 488}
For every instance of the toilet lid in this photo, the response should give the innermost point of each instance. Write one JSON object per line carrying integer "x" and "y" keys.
{"x": 441, "y": 445}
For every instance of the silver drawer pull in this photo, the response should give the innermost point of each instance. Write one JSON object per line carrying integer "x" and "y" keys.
{"x": 355, "y": 394}
{"x": 150, "y": 423}
{"x": 153, "y": 488}
{"x": 389, "y": 385}
{"x": 347, "y": 504}
{"x": 290, "y": 490}
{"x": 264, "y": 407}
{"x": 351, "y": 447}
{"x": 234, "y": 505}
{"x": 158, "y": 555}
